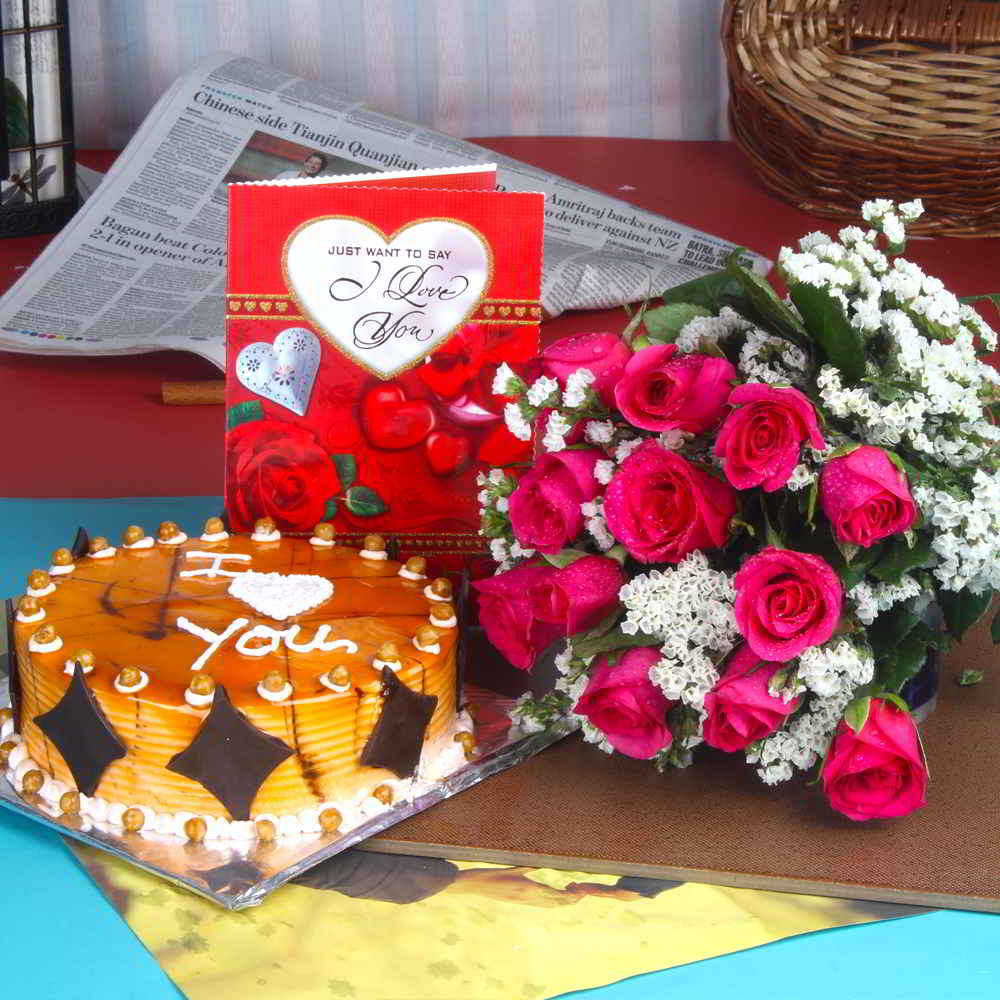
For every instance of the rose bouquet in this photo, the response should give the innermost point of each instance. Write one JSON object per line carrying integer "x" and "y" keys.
{"x": 750, "y": 519}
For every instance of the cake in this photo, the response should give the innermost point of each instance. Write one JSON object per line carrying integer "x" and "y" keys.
{"x": 233, "y": 686}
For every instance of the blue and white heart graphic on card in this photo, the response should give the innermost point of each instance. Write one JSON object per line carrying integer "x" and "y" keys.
{"x": 283, "y": 372}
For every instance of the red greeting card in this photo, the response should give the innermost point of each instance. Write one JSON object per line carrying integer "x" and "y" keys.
{"x": 365, "y": 322}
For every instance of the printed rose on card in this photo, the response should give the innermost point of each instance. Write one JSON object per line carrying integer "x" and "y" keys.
{"x": 366, "y": 322}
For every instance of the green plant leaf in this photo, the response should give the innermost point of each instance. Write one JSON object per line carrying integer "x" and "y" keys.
{"x": 898, "y": 558}
{"x": 839, "y": 342}
{"x": 347, "y": 469}
{"x": 618, "y": 553}
{"x": 564, "y": 557}
{"x": 665, "y": 322}
{"x": 856, "y": 713}
{"x": 242, "y": 413}
{"x": 17, "y": 115}
{"x": 330, "y": 510}
{"x": 993, "y": 297}
{"x": 603, "y": 627}
{"x": 614, "y": 639}
{"x": 363, "y": 501}
{"x": 890, "y": 628}
{"x": 711, "y": 291}
{"x": 969, "y": 678}
{"x": 906, "y": 658}
{"x": 766, "y": 304}
{"x": 962, "y": 609}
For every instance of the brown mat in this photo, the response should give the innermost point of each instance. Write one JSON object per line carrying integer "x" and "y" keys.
{"x": 575, "y": 807}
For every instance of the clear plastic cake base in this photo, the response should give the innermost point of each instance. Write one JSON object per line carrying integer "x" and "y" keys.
{"x": 236, "y": 874}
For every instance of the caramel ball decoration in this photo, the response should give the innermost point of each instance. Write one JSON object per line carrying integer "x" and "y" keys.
{"x": 32, "y": 781}
{"x": 324, "y": 531}
{"x": 339, "y": 676}
{"x": 5, "y": 715}
{"x": 273, "y": 680}
{"x": 133, "y": 820}
{"x": 45, "y": 635}
{"x": 86, "y": 659}
{"x": 427, "y": 635}
{"x": 442, "y": 612}
{"x": 266, "y": 830}
{"x": 97, "y": 544}
{"x": 441, "y": 587}
{"x": 69, "y": 803}
{"x": 195, "y": 829}
{"x": 6, "y": 748}
{"x": 264, "y": 526}
{"x": 201, "y": 684}
{"x": 132, "y": 534}
{"x": 28, "y": 606}
{"x": 129, "y": 677}
{"x": 388, "y": 652}
{"x": 38, "y": 579}
{"x": 329, "y": 820}
{"x": 214, "y": 526}
{"x": 62, "y": 557}
{"x": 374, "y": 543}
{"x": 416, "y": 564}
{"x": 383, "y": 793}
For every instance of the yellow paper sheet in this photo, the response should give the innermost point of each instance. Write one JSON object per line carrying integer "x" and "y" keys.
{"x": 484, "y": 931}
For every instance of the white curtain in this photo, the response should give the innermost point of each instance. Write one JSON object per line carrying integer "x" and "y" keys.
{"x": 637, "y": 68}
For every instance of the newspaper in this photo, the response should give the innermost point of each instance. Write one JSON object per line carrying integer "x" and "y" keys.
{"x": 141, "y": 266}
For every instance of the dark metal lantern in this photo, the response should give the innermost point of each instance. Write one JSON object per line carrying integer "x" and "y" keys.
{"x": 37, "y": 156}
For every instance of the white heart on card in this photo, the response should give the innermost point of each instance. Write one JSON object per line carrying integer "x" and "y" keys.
{"x": 384, "y": 301}
{"x": 284, "y": 371}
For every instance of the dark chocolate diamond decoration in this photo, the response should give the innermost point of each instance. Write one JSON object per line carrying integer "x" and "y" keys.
{"x": 398, "y": 736}
{"x": 236, "y": 875}
{"x": 81, "y": 544}
{"x": 230, "y": 756}
{"x": 82, "y": 734}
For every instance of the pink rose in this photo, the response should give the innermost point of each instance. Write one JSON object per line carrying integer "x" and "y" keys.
{"x": 545, "y": 508}
{"x": 659, "y": 391}
{"x": 878, "y": 772}
{"x": 605, "y": 354}
{"x": 505, "y": 612}
{"x": 661, "y": 507}
{"x": 740, "y": 707}
{"x": 786, "y": 601}
{"x": 579, "y": 595}
{"x": 865, "y": 497}
{"x": 761, "y": 439}
{"x": 626, "y": 705}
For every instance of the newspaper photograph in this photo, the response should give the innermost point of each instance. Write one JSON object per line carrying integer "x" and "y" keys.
{"x": 142, "y": 264}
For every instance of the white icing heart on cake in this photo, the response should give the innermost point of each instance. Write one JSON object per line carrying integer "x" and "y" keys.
{"x": 281, "y": 595}
{"x": 284, "y": 371}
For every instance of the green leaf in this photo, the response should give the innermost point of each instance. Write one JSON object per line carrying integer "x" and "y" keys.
{"x": 711, "y": 291}
{"x": 890, "y": 628}
{"x": 995, "y": 628}
{"x": 603, "y": 627}
{"x": 848, "y": 550}
{"x": 856, "y": 713}
{"x": 363, "y": 501}
{"x": 564, "y": 558}
{"x": 242, "y": 413}
{"x": 993, "y": 297}
{"x": 906, "y": 659}
{"x": 615, "y": 639}
{"x": 844, "y": 449}
{"x": 898, "y": 558}
{"x": 811, "y": 500}
{"x": 968, "y": 678}
{"x": 347, "y": 469}
{"x": 766, "y": 304}
{"x": 962, "y": 609}
{"x": 839, "y": 342}
{"x": 17, "y": 115}
{"x": 330, "y": 510}
{"x": 665, "y": 322}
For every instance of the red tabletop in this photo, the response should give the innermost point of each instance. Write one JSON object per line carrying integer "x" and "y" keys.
{"x": 95, "y": 427}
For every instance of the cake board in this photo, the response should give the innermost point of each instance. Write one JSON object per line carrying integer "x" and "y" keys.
{"x": 574, "y": 807}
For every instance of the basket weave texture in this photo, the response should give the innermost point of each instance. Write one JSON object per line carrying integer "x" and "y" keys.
{"x": 839, "y": 101}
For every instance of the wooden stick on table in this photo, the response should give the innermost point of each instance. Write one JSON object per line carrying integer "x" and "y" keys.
{"x": 207, "y": 392}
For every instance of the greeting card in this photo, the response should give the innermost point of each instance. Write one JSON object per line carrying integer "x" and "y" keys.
{"x": 365, "y": 322}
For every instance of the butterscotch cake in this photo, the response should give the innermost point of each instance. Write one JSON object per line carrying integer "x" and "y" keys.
{"x": 230, "y": 685}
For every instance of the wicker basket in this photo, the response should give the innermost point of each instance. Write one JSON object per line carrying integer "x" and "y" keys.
{"x": 837, "y": 101}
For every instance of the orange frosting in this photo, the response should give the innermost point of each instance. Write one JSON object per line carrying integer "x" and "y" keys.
{"x": 126, "y": 608}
